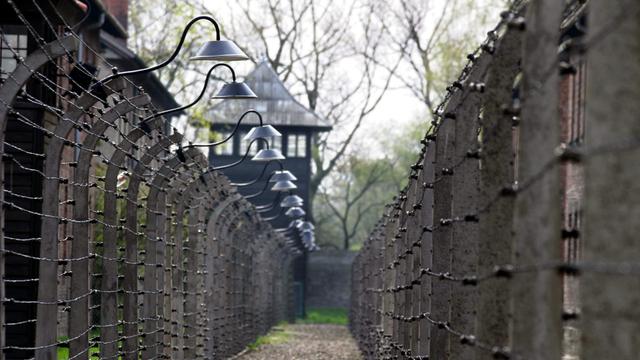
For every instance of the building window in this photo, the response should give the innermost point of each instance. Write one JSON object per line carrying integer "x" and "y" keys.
{"x": 261, "y": 106}
{"x": 226, "y": 148}
{"x": 297, "y": 145}
{"x": 14, "y": 41}
{"x": 244, "y": 144}
{"x": 275, "y": 142}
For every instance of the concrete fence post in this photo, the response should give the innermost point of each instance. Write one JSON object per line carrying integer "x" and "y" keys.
{"x": 609, "y": 322}
{"x": 496, "y": 198}
{"x": 537, "y": 296}
{"x": 465, "y": 201}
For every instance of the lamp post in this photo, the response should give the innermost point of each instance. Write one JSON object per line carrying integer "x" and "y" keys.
{"x": 232, "y": 90}
{"x": 259, "y": 177}
{"x": 216, "y": 50}
{"x": 281, "y": 186}
{"x": 266, "y": 156}
{"x": 258, "y": 132}
{"x": 283, "y": 182}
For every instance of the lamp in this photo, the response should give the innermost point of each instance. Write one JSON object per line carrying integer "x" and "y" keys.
{"x": 295, "y": 212}
{"x": 295, "y": 223}
{"x": 217, "y": 50}
{"x": 283, "y": 175}
{"x": 284, "y": 186}
{"x": 291, "y": 201}
{"x": 235, "y": 90}
{"x": 220, "y": 50}
{"x": 262, "y": 131}
{"x": 308, "y": 238}
{"x": 234, "y": 164}
{"x": 288, "y": 184}
{"x": 306, "y": 225}
{"x": 268, "y": 155}
{"x": 232, "y": 90}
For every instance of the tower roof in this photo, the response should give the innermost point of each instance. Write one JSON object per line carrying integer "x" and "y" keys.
{"x": 276, "y": 104}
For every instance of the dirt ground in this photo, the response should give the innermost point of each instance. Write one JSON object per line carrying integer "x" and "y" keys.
{"x": 308, "y": 342}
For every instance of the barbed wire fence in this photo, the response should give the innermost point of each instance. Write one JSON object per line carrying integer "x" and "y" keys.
{"x": 116, "y": 242}
{"x": 473, "y": 259}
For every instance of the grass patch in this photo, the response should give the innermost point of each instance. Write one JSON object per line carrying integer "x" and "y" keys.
{"x": 278, "y": 335}
{"x": 336, "y": 316}
{"x": 63, "y": 352}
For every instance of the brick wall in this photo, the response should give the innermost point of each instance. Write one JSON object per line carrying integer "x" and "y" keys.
{"x": 329, "y": 279}
{"x": 119, "y": 9}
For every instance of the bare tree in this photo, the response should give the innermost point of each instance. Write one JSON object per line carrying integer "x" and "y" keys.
{"x": 330, "y": 54}
{"x": 433, "y": 37}
{"x": 353, "y": 203}
{"x": 155, "y": 27}
{"x": 341, "y": 58}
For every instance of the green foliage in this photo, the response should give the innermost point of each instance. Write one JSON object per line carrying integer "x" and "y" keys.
{"x": 439, "y": 39}
{"x": 344, "y": 216}
{"x": 155, "y": 27}
{"x": 63, "y": 352}
{"x": 335, "y": 316}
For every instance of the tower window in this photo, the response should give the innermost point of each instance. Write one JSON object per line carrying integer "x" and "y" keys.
{"x": 297, "y": 145}
{"x": 275, "y": 142}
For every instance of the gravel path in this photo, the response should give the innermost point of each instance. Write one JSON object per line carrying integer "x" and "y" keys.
{"x": 309, "y": 342}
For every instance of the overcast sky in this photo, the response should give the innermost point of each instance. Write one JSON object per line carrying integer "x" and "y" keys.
{"x": 399, "y": 107}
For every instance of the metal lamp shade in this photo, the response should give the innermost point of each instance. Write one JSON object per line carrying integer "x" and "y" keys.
{"x": 284, "y": 186}
{"x": 307, "y": 233}
{"x": 236, "y": 90}
{"x": 220, "y": 50}
{"x": 306, "y": 225}
{"x": 262, "y": 132}
{"x": 308, "y": 238}
{"x": 284, "y": 175}
{"x": 265, "y": 155}
{"x": 291, "y": 201}
{"x": 295, "y": 212}
{"x": 294, "y": 224}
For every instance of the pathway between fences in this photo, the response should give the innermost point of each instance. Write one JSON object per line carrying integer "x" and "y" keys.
{"x": 306, "y": 341}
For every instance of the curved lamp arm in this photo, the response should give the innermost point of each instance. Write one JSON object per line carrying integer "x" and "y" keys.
{"x": 235, "y": 129}
{"x": 275, "y": 216}
{"x": 269, "y": 207}
{"x": 173, "y": 56}
{"x": 264, "y": 169}
{"x": 204, "y": 88}
{"x": 264, "y": 189}
{"x": 246, "y": 154}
